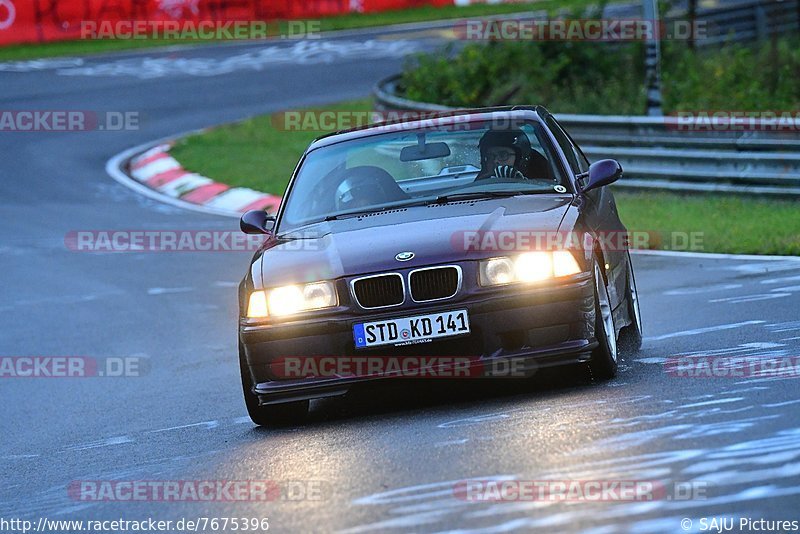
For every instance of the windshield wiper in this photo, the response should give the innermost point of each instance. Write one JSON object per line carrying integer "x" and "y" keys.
{"x": 350, "y": 214}
{"x": 357, "y": 213}
{"x": 441, "y": 199}
{"x": 444, "y": 199}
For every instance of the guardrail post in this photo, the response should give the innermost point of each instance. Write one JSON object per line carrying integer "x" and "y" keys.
{"x": 653, "y": 59}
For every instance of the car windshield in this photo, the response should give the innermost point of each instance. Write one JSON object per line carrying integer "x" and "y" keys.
{"x": 414, "y": 167}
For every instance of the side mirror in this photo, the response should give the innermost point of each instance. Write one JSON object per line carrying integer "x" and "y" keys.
{"x": 603, "y": 172}
{"x": 256, "y": 222}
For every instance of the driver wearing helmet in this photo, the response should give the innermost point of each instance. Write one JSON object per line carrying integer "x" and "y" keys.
{"x": 504, "y": 154}
{"x": 357, "y": 192}
{"x": 367, "y": 186}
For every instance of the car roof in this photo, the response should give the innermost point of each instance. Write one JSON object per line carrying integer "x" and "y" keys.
{"x": 422, "y": 119}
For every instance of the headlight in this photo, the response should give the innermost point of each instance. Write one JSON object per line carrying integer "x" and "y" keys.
{"x": 528, "y": 267}
{"x": 564, "y": 264}
{"x": 497, "y": 271}
{"x": 287, "y": 300}
{"x": 533, "y": 266}
{"x": 257, "y": 306}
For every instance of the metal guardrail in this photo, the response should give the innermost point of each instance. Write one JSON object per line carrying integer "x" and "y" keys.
{"x": 633, "y": 130}
{"x": 657, "y": 154}
{"x": 754, "y": 20}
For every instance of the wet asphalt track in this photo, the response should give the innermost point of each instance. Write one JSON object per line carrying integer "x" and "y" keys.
{"x": 387, "y": 460}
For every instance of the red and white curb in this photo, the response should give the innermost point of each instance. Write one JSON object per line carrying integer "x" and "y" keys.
{"x": 159, "y": 171}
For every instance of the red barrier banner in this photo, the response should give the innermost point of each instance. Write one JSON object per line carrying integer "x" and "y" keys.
{"x": 27, "y": 21}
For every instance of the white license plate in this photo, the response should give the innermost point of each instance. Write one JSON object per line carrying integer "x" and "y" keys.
{"x": 410, "y": 330}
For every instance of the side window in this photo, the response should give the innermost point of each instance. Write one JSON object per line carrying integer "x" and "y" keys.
{"x": 577, "y": 161}
{"x": 542, "y": 144}
{"x": 583, "y": 163}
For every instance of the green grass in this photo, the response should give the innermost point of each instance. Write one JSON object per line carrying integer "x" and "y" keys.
{"x": 430, "y": 13}
{"x": 256, "y": 154}
{"x": 731, "y": 224}
{"x": 338, "y": 22}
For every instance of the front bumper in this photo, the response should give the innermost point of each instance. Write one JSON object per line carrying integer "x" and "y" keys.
{"x": 535, "y": 328}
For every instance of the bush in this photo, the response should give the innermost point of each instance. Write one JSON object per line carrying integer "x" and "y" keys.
{"x": 572, "y": 77}
{"x": 734, "y": 77}
{"x": 607, "y": 78}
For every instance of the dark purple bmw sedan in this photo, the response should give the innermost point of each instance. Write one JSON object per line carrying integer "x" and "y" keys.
{"x": 477, "y": 243}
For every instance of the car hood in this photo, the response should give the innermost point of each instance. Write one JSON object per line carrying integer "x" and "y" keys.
{"x": 435, "y": 234}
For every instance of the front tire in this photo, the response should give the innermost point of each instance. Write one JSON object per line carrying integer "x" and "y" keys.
{"x": 630, "y": 337}
{"x": 271, "y": 415}
{"x": 603, "y": 363}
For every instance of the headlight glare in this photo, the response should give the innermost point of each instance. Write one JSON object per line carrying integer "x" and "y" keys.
{"x": 533, "y": 266}
{"x": 564, "y": 264}
{"x": 527, "y": 267}
{"x": 287, "y": 300}
{"x": 257, "y": 305}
